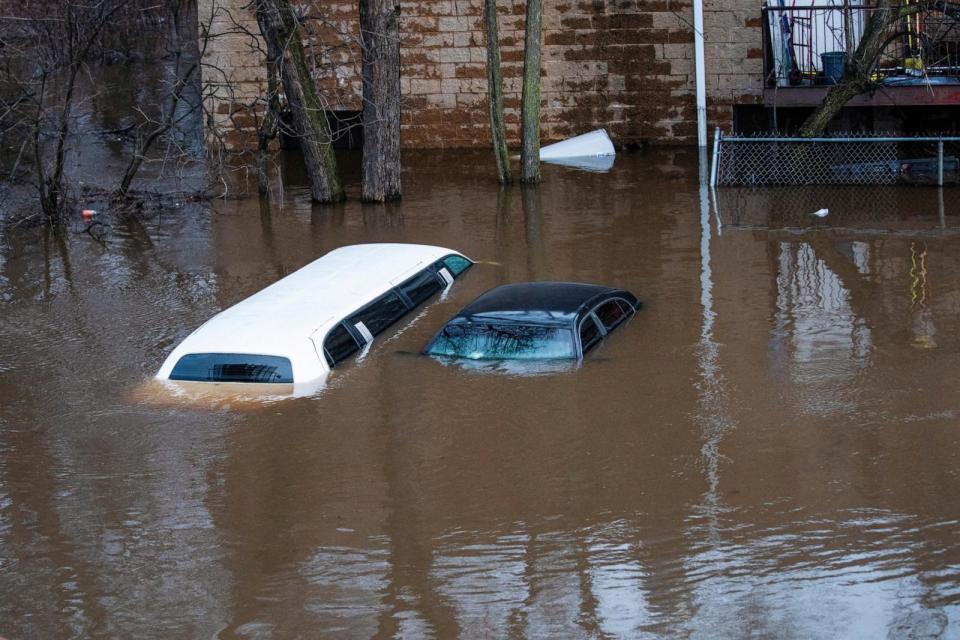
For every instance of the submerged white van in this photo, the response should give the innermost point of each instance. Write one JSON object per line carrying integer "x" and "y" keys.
{"x": 297, "y": 329}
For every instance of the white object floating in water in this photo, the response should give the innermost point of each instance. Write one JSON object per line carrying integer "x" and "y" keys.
{"x": 594, "y": 164}
{"x": 594, "y": 144}
{"x": 822, "y": 213}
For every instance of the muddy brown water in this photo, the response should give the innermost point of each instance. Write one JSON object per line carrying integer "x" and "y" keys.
{"x": 769, "y": 449}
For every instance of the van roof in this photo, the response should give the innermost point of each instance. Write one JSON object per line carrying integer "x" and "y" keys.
{"x": 280, "y": 319}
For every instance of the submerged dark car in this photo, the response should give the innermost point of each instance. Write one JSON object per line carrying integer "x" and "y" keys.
{"x": 534, "y": 321}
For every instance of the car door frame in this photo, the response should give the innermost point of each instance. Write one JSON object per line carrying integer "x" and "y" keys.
{"x": 604, "y": 332}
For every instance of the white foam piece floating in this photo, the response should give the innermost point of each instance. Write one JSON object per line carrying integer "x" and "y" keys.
{"x": 594, "y": 144}
{"x": 822, "y": 213}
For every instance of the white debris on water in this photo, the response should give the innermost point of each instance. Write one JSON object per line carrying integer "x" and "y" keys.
{"x": 594, "y": 144}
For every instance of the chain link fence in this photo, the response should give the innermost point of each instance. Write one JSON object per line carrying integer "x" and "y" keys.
{"x": 839, "y": 160}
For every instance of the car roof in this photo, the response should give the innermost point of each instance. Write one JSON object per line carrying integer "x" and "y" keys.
{"x": 540, "y": 302}
{"x": 280, "y": 319}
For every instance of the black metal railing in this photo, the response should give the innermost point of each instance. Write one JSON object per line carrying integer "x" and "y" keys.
{"x": 807, "y": 45}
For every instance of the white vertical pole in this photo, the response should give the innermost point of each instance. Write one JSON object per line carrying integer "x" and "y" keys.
{"x": 700, "y": 73}
{"x": 940, "y": 163}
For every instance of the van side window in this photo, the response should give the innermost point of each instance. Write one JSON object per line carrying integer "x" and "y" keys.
{"x": 610, "y": 314}
{"x": 456, "y": 264}
{"x": 421, "y": 286}
{"x": 589, "y": 333}
{"x": 338, "y": 345}
{"x": 381, "y": 313}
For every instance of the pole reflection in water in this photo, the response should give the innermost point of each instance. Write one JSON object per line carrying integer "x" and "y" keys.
{"x": 714, "y": 422}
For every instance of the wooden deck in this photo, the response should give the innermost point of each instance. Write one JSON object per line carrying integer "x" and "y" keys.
{"x": 931, "y": 95}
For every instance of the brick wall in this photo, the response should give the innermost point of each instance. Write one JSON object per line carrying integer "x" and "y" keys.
{"x": 625, "y": 65}
{"x": 734, "y": 57}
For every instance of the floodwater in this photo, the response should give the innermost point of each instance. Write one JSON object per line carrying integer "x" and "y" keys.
{"x": 769, "y": 449}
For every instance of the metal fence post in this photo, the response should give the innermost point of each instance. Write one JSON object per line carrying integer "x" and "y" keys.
{"x": 940, "y": 163}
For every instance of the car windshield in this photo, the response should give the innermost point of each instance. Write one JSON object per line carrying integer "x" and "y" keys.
{"x": 492, "y": 341}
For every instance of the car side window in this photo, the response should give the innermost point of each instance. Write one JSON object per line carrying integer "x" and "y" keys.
{"x": 456, "y": 264}
{"x": 380, "y": 314}
{"x": 610, "y": 314}
{"x": 339, "y": 345}
{"x": 421, "y": 286}
{"x": 589, "y": 334}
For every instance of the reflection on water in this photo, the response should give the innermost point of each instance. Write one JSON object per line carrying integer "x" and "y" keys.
{"x": 769, "y": 448}
{"x": 521, "y": 368}
{"x": 829, "y": 343}
{"x": 214, "y": 394}
{"x": 594, "y": 164}
{"x": 874, "y": 209}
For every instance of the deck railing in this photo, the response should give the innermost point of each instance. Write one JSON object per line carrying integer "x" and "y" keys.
{"x": 807, "y": 45}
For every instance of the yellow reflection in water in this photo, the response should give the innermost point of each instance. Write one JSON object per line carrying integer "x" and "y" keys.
{"x": 218, "y": 395}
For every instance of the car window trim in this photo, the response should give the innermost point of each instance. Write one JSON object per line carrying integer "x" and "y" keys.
{"x": 360, "y": 340}
{"x": 378, "y": 300}
{"x": 431, "y": 269}
{"x": 611, "y": 298}
{"x": 357, "y": 340}
{"x": 604, "y": 332}
{"x": 601, "y": 334}
{"x": 623, "y": 317}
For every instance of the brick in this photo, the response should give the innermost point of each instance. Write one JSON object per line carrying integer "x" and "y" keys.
{"x": 419, "y": 86}
{"x": 622, "y": 64}
{"x": 457, "y": 23}
{"x": 455, "y": 55}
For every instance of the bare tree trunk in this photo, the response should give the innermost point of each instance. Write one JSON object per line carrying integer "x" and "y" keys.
{"x": 838, "y": 96}
{"x": 495, "y": 93}
{"x": 530, "y": 115}
{"x": 49, "y": 196}
{"x": 856, "y": 76}
{"x": 381, "y": 99}
{"x": 280, "y": 27}
{"x": 267, "y": 132}
{"x": 271, "y": 118}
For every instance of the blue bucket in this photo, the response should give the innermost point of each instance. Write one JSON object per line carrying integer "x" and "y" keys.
{"x": 833, "y": 65}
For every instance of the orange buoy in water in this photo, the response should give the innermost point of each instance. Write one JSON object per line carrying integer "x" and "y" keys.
{"x": 88, "y": 214}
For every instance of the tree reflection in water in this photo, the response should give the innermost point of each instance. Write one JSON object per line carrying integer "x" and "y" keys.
{"x": 485, "y": 341}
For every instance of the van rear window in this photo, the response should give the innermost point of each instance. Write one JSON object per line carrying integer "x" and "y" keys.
{"x": 232, "y": 367}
